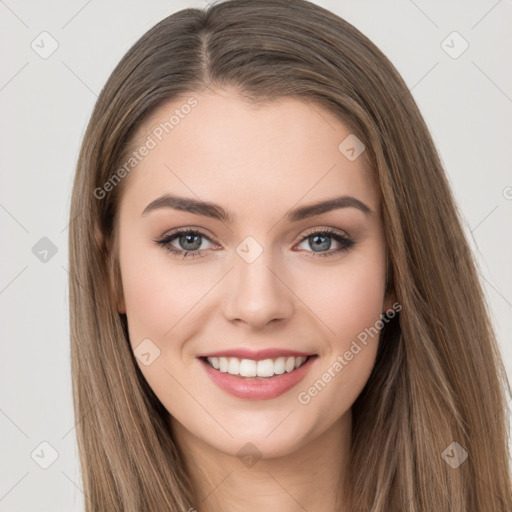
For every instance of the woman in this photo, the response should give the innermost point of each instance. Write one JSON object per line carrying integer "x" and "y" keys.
{"x": 273, "y": 304}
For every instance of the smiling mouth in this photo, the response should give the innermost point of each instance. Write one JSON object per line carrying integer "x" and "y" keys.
{"x": 250, "y": 368}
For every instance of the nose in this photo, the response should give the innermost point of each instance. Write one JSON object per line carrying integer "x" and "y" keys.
{"x": 257, "y": 293}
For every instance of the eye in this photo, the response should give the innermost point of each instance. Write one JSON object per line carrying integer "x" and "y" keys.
{"x": 189, "y": 241}
{"x": 321, "y": 240}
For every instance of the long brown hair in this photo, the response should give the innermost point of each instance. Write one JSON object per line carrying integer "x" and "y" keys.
{"x": 438, "y": 377}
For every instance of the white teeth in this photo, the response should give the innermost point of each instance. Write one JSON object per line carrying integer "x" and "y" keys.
{"x": 290, "y": 364}
{"x": 279, "y": 365}
{"x": 223, "y": 364}
{"x": 265, "y": 368}
{"x": 248, "y": 368}
{"x": 233, "y": 366}
{"x": 251, "y": 368}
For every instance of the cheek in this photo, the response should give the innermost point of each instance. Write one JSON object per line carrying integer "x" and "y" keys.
{"x": 158, "y": 293}
{"x": 161, "y": 300}
{"x": 349, "y": 297}
{"x": 349, "y": 308}
{"x": 357, "y": 304}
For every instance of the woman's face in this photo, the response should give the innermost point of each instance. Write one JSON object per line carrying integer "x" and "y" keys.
{"x": 266, "y": 278}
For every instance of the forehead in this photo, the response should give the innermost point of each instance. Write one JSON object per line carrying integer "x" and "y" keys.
{"x": 226, "y": 150}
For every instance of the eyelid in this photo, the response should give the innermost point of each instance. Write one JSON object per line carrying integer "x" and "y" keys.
{"x": 187, "y": 229}
{"x": 341, "y": 232}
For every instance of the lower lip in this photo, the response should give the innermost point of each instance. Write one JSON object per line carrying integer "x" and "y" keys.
{"x": 262, "y": 388}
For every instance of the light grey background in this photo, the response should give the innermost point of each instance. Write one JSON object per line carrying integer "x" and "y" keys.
{"x": 45, "y": 105}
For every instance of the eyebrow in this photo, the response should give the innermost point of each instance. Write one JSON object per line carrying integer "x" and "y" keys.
{"x": 216, "y": 211}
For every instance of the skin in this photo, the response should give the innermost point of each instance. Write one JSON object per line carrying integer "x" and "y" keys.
{"x": 258, "y": 163}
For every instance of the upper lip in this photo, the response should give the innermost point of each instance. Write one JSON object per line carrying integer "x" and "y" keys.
{"x": 256, "y": 355}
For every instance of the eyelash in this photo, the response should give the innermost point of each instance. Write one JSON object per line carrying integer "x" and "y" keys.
{"x": 345, "y": 241}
